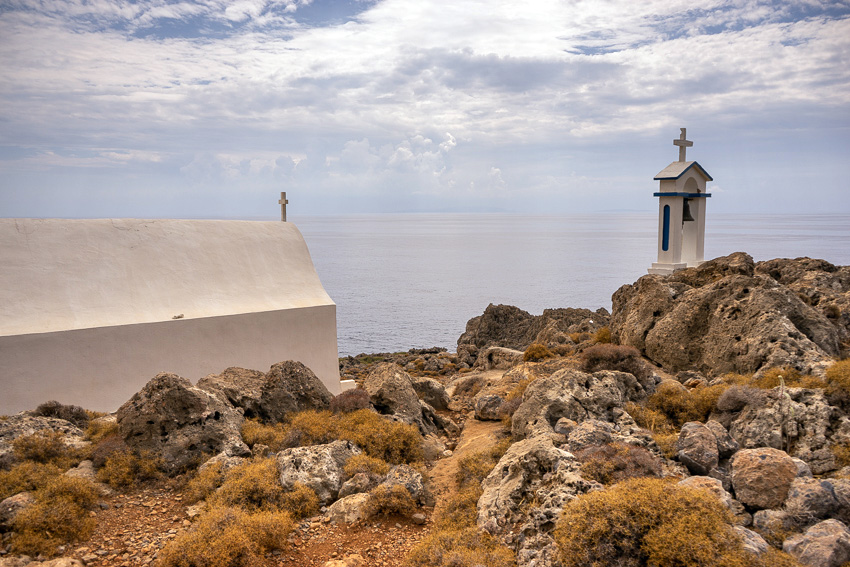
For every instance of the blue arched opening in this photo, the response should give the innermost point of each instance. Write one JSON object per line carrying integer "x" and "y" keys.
{"x": 665, "y": 231}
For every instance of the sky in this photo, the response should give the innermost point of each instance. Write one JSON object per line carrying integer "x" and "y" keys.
{"x": 209, "y": 109}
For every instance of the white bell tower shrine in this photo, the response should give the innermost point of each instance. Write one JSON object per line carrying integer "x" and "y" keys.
{"x": 681, "y": 213}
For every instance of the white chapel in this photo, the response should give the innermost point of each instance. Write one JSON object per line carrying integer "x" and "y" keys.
{"x": 681, "y": 212}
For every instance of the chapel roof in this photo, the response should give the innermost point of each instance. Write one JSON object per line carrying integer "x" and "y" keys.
{"x": 678, "y": 168}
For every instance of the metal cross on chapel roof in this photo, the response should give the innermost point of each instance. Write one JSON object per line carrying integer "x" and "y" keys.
{"x": 683, "y": 144}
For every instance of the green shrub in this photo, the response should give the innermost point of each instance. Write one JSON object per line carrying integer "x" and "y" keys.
{"x": 126, "y": 468}
{"x": 300, "y": 501}
{"x": 615, "y": 462}
{"x": 603, "y": 335}
{"x": 59, "y": 516}
{"x": 228, "y": 537}
{"x": 252, "y": 486}
{"x": 75, "y": 414}
{"x": 615, "y": 357}
{"x": 26, "y": 476}
{"x": 537, "y": 352}
{"x": 395, "y": 499}
{"x": 460, "y": 548}
{"x": 366, "y": 464}
{"x": 273, "y": 436}
{"x": 45, "y": 447}
{"x": 648, "y": 522}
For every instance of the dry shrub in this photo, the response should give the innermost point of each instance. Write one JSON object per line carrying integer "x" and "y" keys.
{"x": 474, "y": 468}
{"x": 666, "y": 443}
{"x": 647, "y": 521}
{"x": 387, "y": 500}
{"x": 537, "y": 352}
{"x": 300, "y": 501}
{"x": 459, "y": 510}
{"x": 252, "y": 486}
{"x": 311, "y": 427}
{"x": 205, "y": 482}
{"x": 520, "y": 388}
{"x": 771, "y": 378}
{"x": 366, "y": 464}
{"x": 273, "y": 436}
{"x": 126, "y": 468}
{"x": 75, "y": 414}
{"x": 228, "y": 537}
{"x": 674, "y": 402}
{"x": 580, "y": 337}
{"x": 26, "y": 477}
{"x": 737, "y": 397}
{"x": 615, "y": 462}
{"x": 351, "y": 400}
{"x": 838, "y": 384}
{"x": 615, "y": 357}
{"x": 832, "y": 311}
{"x": 59, "y": 516}
{"x": 466, "y": 547}
{"x": 45, "y": 447}
{"x": 603, "y": 335}
{"x": 562, "y": 350}
{"x": 842, "y": 454}
{"x": 705, "y": 399}
{"x": 650, "y": 419}
{"x": 98, "y": 430}
{"x": 106, "y": 447}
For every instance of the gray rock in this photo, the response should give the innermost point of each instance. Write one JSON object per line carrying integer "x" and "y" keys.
{"x": 411, "y": 479}
{"x": 841, "y": 490}
{"x": 774, "y": 523}
{"x": 810, "y": 500}
{"x": 320, "y": 467}
{"x": 11, "y": 506}
{"x": 762, "y": 477}
{"x": 391, "y": 391}
{"x": 24, "y": 423}
{"x": 487, "y": 407}
{"x": 531, "y": 469}
{"x": 803, "y": 470}
{"x": 361, "y": 482}
{"x": 226, "y": 461}
{"x": 349, "y": 509}
{"x": 19, "y": 561}
{"x": 726, "y": 444}
{"x": 753, "y": 542}
{"x": 63, "y": 562}
{"x": 697, "y": 448}
{"x": 498, "y": 358}
{"x": 826, "y": 544}
{"x": 575, "y": 395}
{"x": 802, "y": 420}
{"x": 431, "y": 392}
{"x": 180, "y": 421}
{"x": 287, "y": 387}
{"x": 723, "y": 316}
{"x": 588, "y": 433}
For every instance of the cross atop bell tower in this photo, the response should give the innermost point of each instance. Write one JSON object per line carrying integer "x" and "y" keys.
{"x": 683, "y": 144}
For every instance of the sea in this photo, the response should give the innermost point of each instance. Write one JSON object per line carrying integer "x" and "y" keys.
{"x": 404, "y": 281}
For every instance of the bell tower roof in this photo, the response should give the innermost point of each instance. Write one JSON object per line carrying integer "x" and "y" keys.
{"x": 678, "y": 168}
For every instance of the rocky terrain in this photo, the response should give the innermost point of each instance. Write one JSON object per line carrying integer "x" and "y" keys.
{"x": 704, "y": 421}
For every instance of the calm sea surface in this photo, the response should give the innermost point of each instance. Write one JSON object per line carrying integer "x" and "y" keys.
{"x": 413, "y": 280}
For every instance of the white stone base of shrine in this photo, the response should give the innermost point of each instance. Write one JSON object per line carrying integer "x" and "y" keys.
{"x": 666, "y": 269}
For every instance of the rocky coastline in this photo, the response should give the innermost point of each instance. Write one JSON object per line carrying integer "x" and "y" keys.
{"x": 713, "y": 405}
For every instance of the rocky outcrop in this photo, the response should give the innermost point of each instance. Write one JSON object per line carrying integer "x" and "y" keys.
{"x": 826, "y": 544}
{"x": 431, "y": 392}
{"x": 411, "y": 480}
{"x": 511, "y": 327}
{"x": 574, "y": 395}
{"x": 723, "y": 316}
{"x": 181, "y": 422}
{"x": 762, "y": 477}
{"x": 288, "y": 387}
{"x": 320, "y": 467}
{"x": 498, "y": 358}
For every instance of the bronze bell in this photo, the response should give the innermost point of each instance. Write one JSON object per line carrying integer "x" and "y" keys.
{"x": 686, "y": 212}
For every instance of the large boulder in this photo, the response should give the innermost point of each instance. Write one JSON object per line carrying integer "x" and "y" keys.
{"x": 181, "y": 422}
{"x": 511, "y": 327}
{"x": 762, "y": 477}
{"x": 392, "y": 393}
{"x": 431, "y": 392}
{"x": 288, "y": 387}
{"x": 826, "y": 544}
{"x": 800, "y": 419}
{"x": 720, "y": 317}
{"x": 810, "y": 499}
{"x": 697, "y": 448}
{"x": 320, "y": 467}
{"x": 575, "y": 395}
